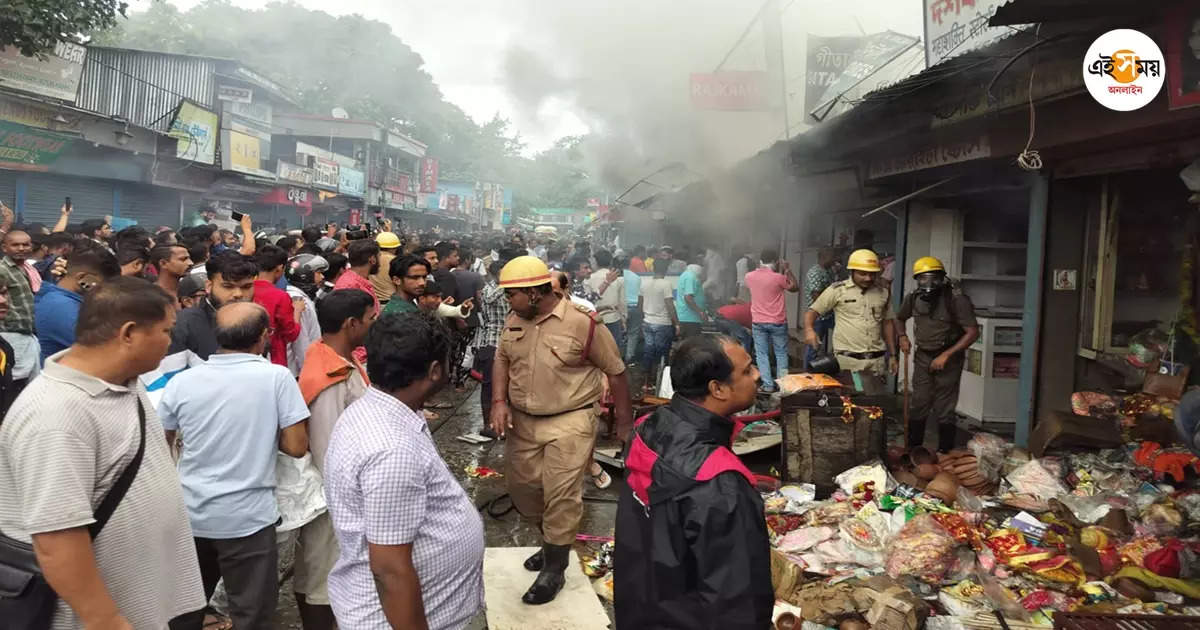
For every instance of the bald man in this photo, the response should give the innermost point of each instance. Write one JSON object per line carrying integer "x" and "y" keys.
{"x": 17, "y": 326}
{"x": 234, "y": 411}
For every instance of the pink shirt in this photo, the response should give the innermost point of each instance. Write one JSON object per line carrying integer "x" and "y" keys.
{"x": 767, "y": 305}
{"x": 351, "y": 280}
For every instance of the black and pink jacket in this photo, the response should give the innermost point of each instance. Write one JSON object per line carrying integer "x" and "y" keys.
{"x": 691, "y": 539}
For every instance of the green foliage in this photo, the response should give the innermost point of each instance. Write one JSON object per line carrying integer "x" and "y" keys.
{"x": 35, "y": 26}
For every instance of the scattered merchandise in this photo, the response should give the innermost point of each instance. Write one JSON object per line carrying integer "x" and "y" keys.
{"x": 482, "y": 472}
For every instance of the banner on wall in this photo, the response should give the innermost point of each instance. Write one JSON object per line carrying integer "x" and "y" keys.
{"x": 429, "y": 175}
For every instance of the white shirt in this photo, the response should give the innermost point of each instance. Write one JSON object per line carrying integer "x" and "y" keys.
{"x": 655, "y": 293}
{"x": 310, "y": 331}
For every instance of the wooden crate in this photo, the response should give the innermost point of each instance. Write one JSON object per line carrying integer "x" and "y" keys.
{"x": 818, "y": 445}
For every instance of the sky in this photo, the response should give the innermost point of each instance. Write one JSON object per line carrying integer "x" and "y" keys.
{"x": 617, "y": 71}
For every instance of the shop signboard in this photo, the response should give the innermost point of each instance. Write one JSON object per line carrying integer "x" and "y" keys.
{"x": 325, "y": 174}
{"x": 195, "y": 131}
{"x": 234, "y": 94}
{"x": 429, "y": 175}
{"x": 452, "y": 204}
{"x": 32, "y": 115}
{"x": 56, "y": 76}
{"x": 876, "y": 51}
{"x": 938, "y": 155}
{"x": 289, "y": 196}
{"x": 27, "y": 149}
{"x": 288, "y": 172}
{"x": 258, "y": 114}
{"x": 242, "y": 153}
{"x": 730, "y": 91}
{"x": 953, "y": 27}
{"x": 506, "y": 218}
{"x": 827, "y": 59}
{"x": 1053, "y": 78}
{"x": 351, "y": 182}
{"x": 498, "y": 197}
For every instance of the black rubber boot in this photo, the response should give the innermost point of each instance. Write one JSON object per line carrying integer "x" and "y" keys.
{"x": 551, "y": 579}
{"x": 535, "y": 562}
{"x": 947, "y": 436}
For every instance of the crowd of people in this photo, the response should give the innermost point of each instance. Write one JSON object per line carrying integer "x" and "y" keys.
{"x": 293, "y": 380}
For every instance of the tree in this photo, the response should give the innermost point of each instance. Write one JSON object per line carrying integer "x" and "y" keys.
{"x": 35, "y": 26}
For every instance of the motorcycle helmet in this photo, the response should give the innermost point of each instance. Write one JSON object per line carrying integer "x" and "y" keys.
{"x": 305, "y": 272}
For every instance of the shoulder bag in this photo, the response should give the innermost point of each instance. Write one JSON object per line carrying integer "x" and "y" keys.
{"x": 27, "y": 601}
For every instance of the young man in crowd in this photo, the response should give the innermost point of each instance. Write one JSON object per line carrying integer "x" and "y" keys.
{"x": 633, "y": 310}
{"x": 227, "y": 463}
{"x": 409, "y": 275}
{"x": 284, "y": 312}
{"x": 231, "y": 279}
{"x": 609, "y": 286}
{"x": 768, "y": 310}
{"x": 692, "y": 548}
{"x": 816, "y": 280}
{"x": 330, "y": 381}
{"x": 199, "y": 252}
{"x": 98, "y": 231}
{"x": 305, "y": 273}
{"x": 364, "y": 262}
{"x": 637, "y": 263}
{"x": 191, "y": 291}
{"x": 17, "y": 328}
{"x": 429, "y": 253}
{"x": 411, "y": 542}
{"x": 172, "y": 263}
{"x": 56, "y": 306}
{"x": 6, "y": 361}
{"x": 660, "y": 322}
{"x": 493, "y": 310}
{"x": 579, "y": 269}
{"x": 58, "y": 245}
{"x": 133, "y": 260}
{"x": 690, "y": 303}
{"x": 467, "y": 286}
{"x": 89, "y": 410}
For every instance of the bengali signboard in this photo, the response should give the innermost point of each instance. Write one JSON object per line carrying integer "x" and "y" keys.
{"x": 56, "y": 76}
{"x": 26, "y": 149}
{"x": 1055, "y": 77}
{"x": 352, "y": 182}
{"x": 876, "y": 51}
{"x": 931, "y": 157}
{"x": 195, "y": 131}
{"x": 953, "y": 27}
{"x": 827, "y": 59}
{"x": 730, "y": 91}
{"x": 235, "y": 94}
{"x": 325, "y": 174}
{"x": 288, "y": 172}
{"x": 429, "y": 175}
{"x": 242, "y": 153}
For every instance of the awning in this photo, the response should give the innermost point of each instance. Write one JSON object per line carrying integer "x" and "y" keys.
{"x": 910, "y": 195}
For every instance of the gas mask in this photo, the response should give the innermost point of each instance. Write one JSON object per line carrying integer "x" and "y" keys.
{"x": 930, "y": 284}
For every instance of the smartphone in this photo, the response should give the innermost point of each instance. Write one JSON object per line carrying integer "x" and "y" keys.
{"x": 67, "y": 203}
{"x": 235, "y": 215}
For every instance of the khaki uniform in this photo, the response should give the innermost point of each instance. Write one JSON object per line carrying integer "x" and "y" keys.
{"x": 858, "y": 329}
{"x": 937, "y": 325}
{"x": 381, "y": 280}
{"x": 556, "y": 366}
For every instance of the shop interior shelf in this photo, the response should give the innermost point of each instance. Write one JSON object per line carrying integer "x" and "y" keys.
{"x": 992, "y": 245}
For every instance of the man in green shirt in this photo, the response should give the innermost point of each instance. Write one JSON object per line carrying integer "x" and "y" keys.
{"x": 408, "y": 273}
{"x": 690, "y": 305}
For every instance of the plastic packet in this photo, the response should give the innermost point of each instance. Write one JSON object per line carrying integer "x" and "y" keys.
{"x": 1002, "y": 599}
{"x": 1033, "y": 478}
{"x": 922, "y": 549}
{"x": 870, "y": 472}
{"x": 804, "y": 538}
{"x": 990, "y": 452}
{"x": 799, "y": 493}
{"x": 966, "y": 500}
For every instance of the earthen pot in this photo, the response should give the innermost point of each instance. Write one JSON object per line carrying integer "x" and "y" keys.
{"x": 943, "y": 486}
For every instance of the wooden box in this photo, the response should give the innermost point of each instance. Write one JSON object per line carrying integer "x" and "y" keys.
{"x": 818, "y": 445}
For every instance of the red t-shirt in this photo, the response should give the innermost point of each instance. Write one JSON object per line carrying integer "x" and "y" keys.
{"x": 739, "y": 313}
{"x": 283, "y": 318}
{"x": 636, "y": 265}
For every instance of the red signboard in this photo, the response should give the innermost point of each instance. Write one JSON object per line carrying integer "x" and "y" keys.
{"x": 452, "y": 204}
{"x": 734, "y": 91}
{"x": 429, "y": 175}
{"x": 290, "y": 196}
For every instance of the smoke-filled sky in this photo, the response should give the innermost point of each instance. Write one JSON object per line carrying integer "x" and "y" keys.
{"x": 616, "y": 68}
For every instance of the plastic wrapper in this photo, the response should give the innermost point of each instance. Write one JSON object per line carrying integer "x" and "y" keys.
{"x": 1161, "y": 519}
{"x": 850, "y": 481}
{"x": 990, "y": 452}
{"x": 1036, "y": 479}
{"x": 1087, "y": 509}
{"x": 828, "y": 513}
{"x": 966, "y": 500}
{"x": 1002, "y": 599}
{"x": 1044, "y": 598}
{"x": 799, "y": 494}
{"x": 804, "y": 538}
{"x": 868, "y": 529}
{"x": 964, "y": 599}
{"x": 921, "y": 549}
{"x": 1146, "y": 347}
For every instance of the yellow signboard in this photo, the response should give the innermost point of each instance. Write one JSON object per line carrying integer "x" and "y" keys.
{"x": 242, "y": 153}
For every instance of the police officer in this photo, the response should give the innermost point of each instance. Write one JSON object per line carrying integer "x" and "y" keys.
{"x": 547, "y": 378}
{"x": 944, "y": 327}
{"x": 863, "y": 324}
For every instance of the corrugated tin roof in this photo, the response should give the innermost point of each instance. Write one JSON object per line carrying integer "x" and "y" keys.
{"x": 1033, "y": 11}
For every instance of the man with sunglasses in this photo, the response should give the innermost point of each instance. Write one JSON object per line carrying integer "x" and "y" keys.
{"x": 547, "y": 376}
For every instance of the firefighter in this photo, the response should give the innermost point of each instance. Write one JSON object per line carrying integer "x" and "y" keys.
{"x": 944, "y": 326}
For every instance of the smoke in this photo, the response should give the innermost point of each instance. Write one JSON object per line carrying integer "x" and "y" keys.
{"x": 622, "y": 68}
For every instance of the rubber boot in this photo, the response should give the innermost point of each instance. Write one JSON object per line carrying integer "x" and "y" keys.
{"x": 947, "y": 436}
{"x": 535, "y": 562}
{"x": 315, "y": 616}
{"x": 551, "y": 578}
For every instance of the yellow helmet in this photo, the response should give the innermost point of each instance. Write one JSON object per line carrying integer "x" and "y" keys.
{"x": 387, "y": 240}
{"x": 927, "y": 264}
{"x": 524, "y": 271}
{"x": 864, "y": 260}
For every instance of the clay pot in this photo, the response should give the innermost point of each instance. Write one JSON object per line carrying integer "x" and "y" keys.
{"x": 787, "y": 621}
{"x": 943, "y": 486}
{"x": 853, "y": 624}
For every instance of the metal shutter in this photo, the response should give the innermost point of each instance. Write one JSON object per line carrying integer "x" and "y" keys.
{"x": 8, "y": 188}
{"x": 150, "y": 206}
{"x": 44, "y": 194}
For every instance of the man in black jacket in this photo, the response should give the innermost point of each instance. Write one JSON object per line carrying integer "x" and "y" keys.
{"x": 692, "y": 549}
{"x": 230, "y": 279}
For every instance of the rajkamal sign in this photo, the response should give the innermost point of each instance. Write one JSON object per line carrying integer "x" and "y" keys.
{"x": 953, "y": 27}
{"x": 937, "y": 155}
{"x": 26, "y": 149}
{"x": 57, "y": 76}
{"x": 731, "y": 91}
{"x": 195, "y": 131}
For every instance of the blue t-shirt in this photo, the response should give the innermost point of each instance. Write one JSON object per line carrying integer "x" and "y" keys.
{"x": 633, "y": 287}
{"x": 229, "y": 412}
{"x": 55, "y": 311}
{"x": 689, "y": 284}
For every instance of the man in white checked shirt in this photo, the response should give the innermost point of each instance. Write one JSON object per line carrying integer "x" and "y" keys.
{"x": 411, "y": 543}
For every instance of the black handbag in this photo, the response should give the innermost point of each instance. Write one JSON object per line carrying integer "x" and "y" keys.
{"x": 27, "y": 602}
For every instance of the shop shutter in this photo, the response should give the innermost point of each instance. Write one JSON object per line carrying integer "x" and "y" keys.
{"x": 8, "y": 188}
{"x": 44, "y": 194}
{"x": 150, "y": 206}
